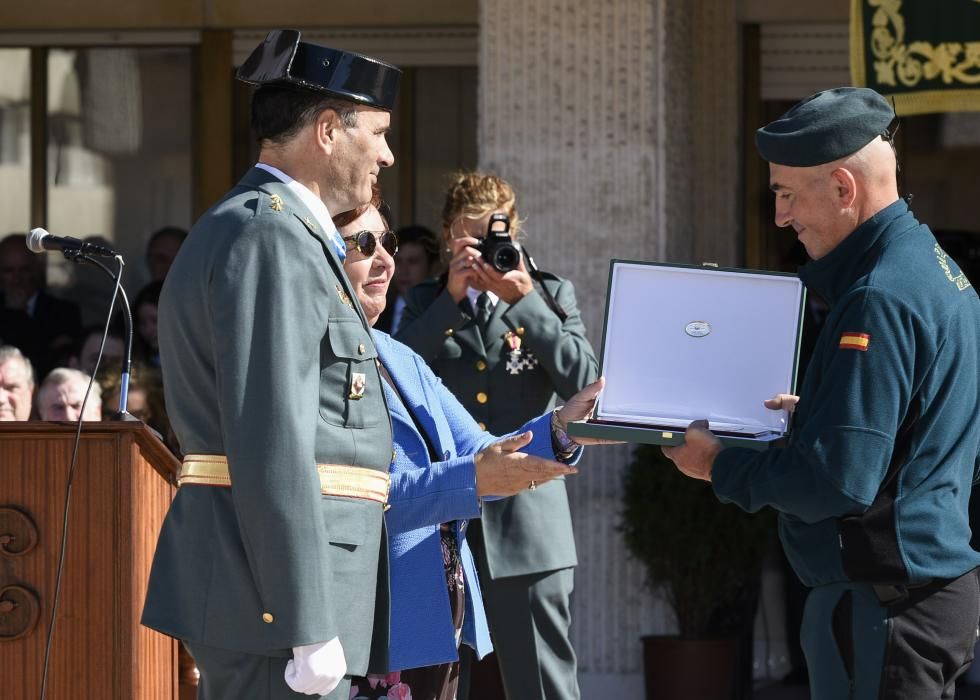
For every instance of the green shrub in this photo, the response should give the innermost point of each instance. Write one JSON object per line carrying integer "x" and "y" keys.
{"x": 706, "y": 555}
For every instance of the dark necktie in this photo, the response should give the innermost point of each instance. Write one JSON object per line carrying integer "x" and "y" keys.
{"x": 483, "y": 310}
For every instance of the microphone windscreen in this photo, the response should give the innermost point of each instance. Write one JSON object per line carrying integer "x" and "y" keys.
{"x": 34, "y": 239}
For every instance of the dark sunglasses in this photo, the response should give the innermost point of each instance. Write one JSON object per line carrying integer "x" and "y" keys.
{"x": 367, "y": 242}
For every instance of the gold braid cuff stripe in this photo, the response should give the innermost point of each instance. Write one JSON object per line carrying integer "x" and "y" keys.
{"x": 335, "y": 479}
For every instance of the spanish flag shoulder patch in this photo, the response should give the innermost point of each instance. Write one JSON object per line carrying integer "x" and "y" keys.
{"x": 855, "y": 341}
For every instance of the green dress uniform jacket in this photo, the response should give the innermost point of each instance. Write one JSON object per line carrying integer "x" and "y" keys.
{"x": 875, "y": 482}
{"x": 261, "y": 339}
{"x": 532, "y": 531}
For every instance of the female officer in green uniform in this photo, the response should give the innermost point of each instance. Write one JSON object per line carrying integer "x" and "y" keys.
{"x": 499, "y": 345}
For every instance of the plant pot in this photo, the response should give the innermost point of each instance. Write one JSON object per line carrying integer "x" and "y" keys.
{"x": 689, "y": 669}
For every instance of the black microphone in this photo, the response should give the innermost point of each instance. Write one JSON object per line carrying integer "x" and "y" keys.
{"x": 39, "y": 240}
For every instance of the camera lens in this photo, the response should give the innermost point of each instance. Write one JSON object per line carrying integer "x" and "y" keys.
{"x": 506, "y": 258}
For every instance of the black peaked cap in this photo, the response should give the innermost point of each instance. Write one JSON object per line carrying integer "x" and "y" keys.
{"x": 283, "y": 60}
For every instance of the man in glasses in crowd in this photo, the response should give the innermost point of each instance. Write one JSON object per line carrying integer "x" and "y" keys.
{"x": 268, "y": 562}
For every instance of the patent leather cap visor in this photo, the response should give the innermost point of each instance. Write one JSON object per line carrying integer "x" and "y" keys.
{"x": 283, "y": 60}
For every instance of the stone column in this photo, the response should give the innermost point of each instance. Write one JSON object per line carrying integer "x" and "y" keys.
{"x": 617, "y": 122}
{"x": 701, "y": 118}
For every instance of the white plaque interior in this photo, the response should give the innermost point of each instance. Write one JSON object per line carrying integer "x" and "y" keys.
{"x": 687, "y": 343}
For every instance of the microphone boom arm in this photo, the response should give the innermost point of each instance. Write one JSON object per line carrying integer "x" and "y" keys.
{"x": 76, "y": 255}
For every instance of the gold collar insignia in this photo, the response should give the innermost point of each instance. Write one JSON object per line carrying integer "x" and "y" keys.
{"x": 344, "y": 296}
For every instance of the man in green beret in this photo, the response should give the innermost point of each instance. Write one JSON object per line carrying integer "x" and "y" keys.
{"x": 267, "y": 566}
{"x": 873, "y": 486}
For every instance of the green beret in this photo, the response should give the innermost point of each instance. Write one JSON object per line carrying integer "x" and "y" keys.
{"x": 824, "y": 127}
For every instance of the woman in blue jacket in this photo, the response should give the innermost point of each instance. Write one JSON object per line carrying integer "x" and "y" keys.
{"x": 443, "y": 465}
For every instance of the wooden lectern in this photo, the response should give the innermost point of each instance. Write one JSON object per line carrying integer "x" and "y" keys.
{"x": 124, "y": 482}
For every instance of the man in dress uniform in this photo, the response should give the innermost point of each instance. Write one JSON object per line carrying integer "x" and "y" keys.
{"x": 267, "y": 566}
{"x": 873, "y": 487}
{"x": 500, "y": 345}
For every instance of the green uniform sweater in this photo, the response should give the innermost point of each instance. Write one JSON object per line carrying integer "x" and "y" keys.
{"x": 875, "y": 482}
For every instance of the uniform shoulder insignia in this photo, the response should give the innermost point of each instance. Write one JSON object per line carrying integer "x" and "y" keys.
{"x": 855, "y": 341}
{"x": 344, "y": 297}
{"x": 959, "y": 280}
{"x": 275, "y": 202}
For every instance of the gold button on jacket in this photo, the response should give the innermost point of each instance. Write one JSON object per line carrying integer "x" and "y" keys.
{"x": 482, "y": 397}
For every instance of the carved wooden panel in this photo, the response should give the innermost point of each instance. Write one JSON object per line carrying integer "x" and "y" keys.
{"x": 121, "y": 493}
{"x": 19, "y": 610}
{"x": 19, "y": 604}
{"x": 18, "y": 533}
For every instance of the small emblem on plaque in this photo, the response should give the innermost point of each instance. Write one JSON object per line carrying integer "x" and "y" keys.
{"x": 697, "y": 329}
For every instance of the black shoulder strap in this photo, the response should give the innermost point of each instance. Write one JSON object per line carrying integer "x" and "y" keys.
{"x": 537, "y": 276}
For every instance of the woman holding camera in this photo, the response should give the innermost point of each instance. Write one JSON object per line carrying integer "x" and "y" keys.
{"x": 509, "y": 347}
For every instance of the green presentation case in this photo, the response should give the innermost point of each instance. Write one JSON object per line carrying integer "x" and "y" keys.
{"x": 689, "y": 342}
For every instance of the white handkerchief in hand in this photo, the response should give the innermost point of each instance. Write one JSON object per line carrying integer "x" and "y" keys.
{"x": 316, "y": 669}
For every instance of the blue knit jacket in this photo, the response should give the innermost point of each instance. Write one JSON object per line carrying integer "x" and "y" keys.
{"x": 425, "y": 494}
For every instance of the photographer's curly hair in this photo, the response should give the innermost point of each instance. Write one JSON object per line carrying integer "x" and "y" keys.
{"x": 474, "y": 194}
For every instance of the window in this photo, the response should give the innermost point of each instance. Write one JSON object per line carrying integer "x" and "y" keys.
{"x": 15, "y": 140}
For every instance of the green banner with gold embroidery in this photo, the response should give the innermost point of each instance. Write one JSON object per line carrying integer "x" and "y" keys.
{"x": 923, "y": 53}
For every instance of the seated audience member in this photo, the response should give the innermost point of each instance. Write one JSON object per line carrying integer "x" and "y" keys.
{"x": 16, "y": 384}
{"x": 30, "y": 318}
{"x": 146, "y": 347}
{"x": 88, "y": 350}
{"x": 62, "y": 393}
{"x": 417, "y": 260}
{"x": 161, "y": 250}
{"x": 137, "y": 402}
{"x": 145, "y": 399}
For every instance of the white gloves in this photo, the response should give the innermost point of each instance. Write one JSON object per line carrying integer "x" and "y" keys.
{"x": 316, "y": 669}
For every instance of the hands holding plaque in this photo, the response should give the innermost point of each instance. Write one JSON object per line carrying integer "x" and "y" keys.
{"x": 581, "y": 407}
{"x": 696, "y": 456}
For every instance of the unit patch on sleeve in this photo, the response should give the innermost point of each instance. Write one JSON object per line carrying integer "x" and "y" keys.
{"x": 855, "y": 341}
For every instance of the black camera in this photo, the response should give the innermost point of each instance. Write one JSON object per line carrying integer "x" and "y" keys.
{"x": 497, "y": 248}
